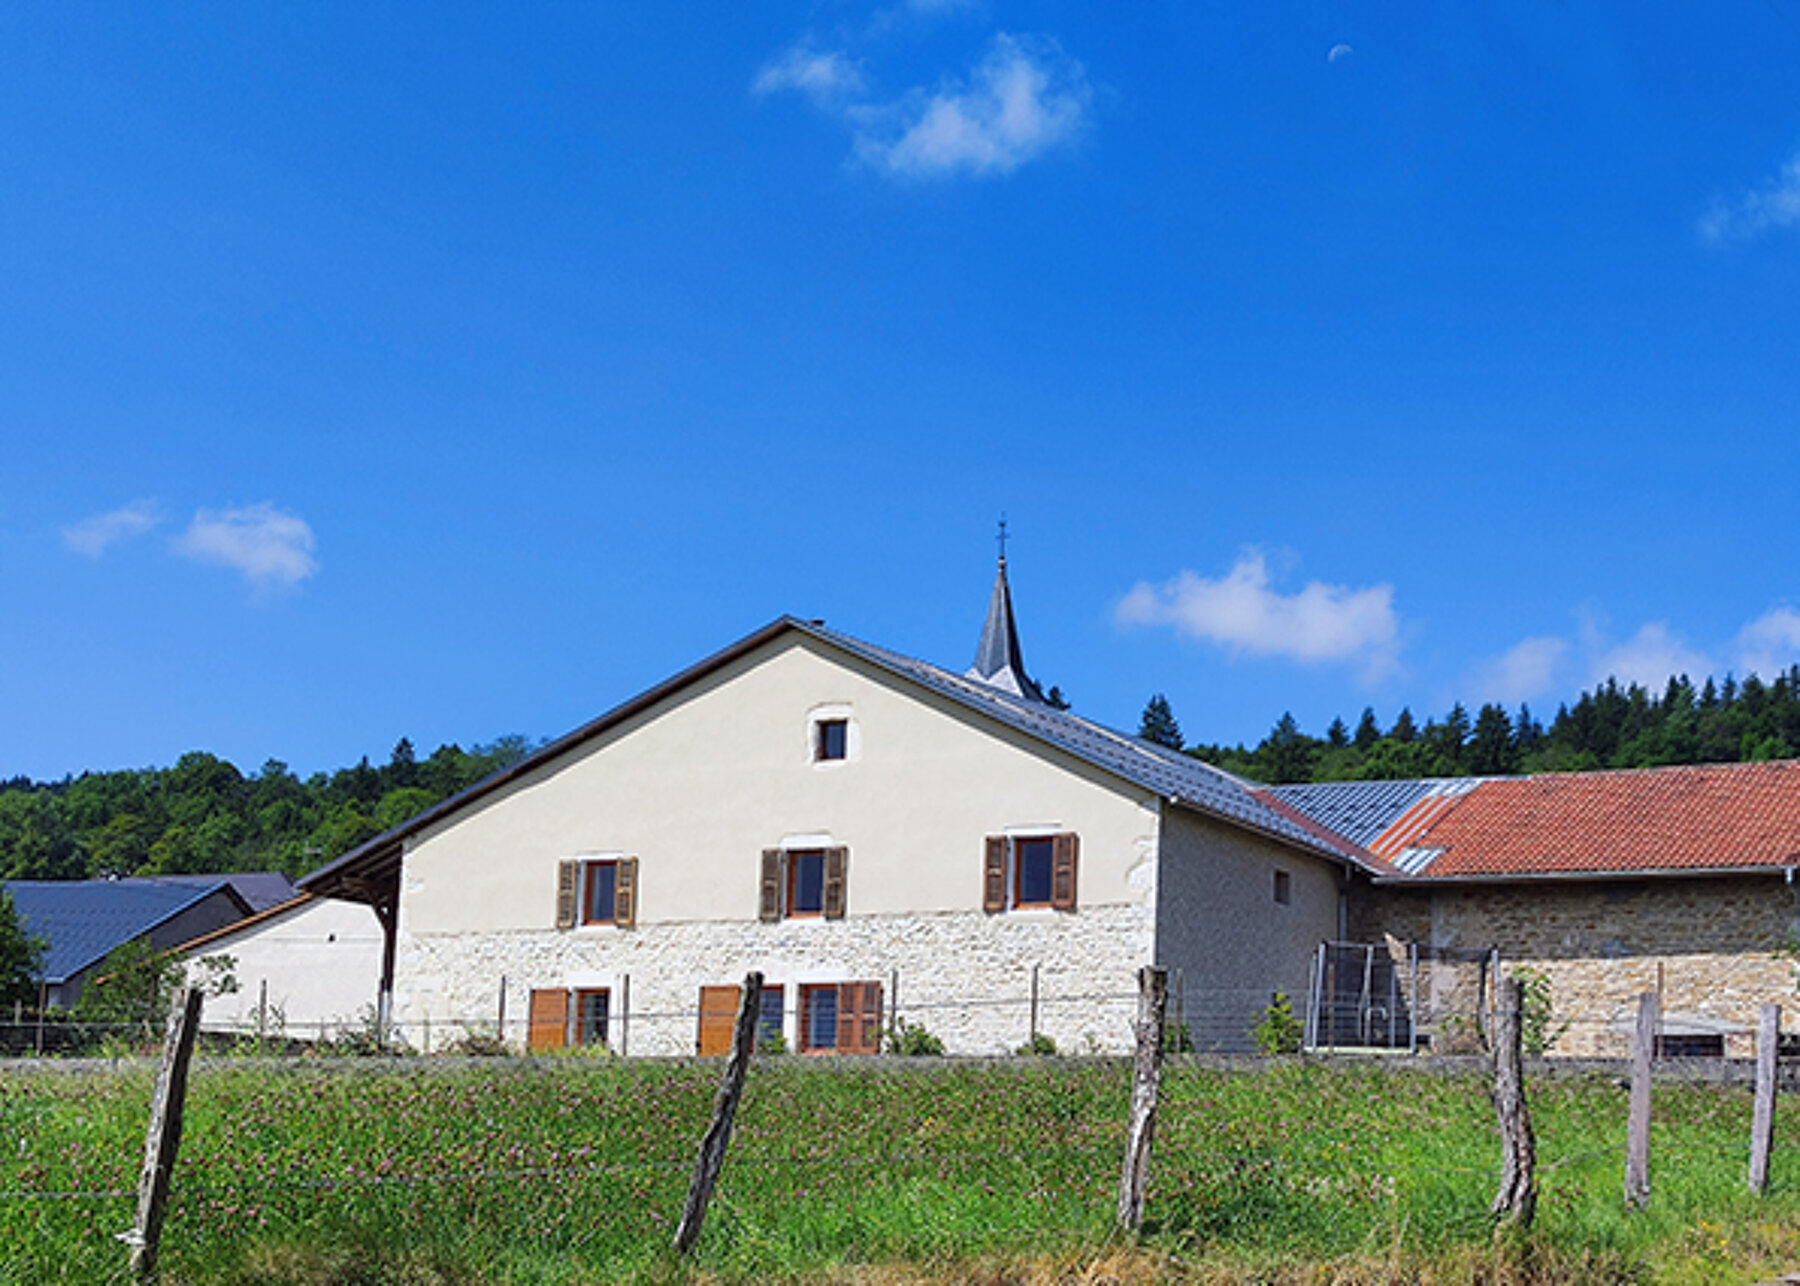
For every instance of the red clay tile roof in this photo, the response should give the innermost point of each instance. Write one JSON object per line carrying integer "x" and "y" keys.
{"x": 1658, "y": 819}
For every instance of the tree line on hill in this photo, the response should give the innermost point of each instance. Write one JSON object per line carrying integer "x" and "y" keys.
{"x": 203, "y": 816}
{"x": 1609, "y": 727}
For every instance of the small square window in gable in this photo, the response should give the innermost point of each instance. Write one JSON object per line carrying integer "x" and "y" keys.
{"x": 831, "y": 739}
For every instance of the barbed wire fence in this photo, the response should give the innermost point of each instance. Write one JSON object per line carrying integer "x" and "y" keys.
{"x": 1173, "y": 1034}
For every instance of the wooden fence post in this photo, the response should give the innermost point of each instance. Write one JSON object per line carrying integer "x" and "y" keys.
{"x": 1762, "y": 1121}
{"x": 1153, "y": 1003}
{"x": 1516, "y": 1202}
{"x": 1637, "y": 1134}
{"x": 718, "y": 1133}
{"x": 163, "y": 1139}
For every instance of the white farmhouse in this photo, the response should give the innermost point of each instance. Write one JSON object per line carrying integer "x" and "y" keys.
{"x": 879, "y": 837}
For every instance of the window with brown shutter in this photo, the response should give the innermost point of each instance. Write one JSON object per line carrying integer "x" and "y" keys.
{"x": 803, "y": 882}
{"x": 625, "y": 893}
{"x": 993, "y": 882}
{"x": 835, "y": 861}
{"x": 1030, "y": 871}
{"x": 1064, "y": 851}
{"x": 769, "y": 906}
{"x": 549, "y": 1026}
{"x": 840, "y": 1018}
{"x": 568, "y": 884}
{"x": 859, "y": 1018}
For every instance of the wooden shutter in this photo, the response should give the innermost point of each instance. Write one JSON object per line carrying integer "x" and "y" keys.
{"x": 859, "y": 1018}
{"x": 1064, "y": 850}
{"x": 718, "y": 1020}
{"x": 993, "y": 882}
{"x": 549, "y": 1018}
{"x": 568, "y": 893}
{"x": 835, "y": 861}
{"x": 625, "y": 893}
{"x": 769, "y": 907}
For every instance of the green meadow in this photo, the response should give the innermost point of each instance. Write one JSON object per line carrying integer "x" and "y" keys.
{"x": 573, "y": 1169}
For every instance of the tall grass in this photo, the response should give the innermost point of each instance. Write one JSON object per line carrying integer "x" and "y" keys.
{"x": 565, "y": 1171}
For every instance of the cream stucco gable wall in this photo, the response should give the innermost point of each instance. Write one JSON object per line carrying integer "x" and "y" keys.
{"x": 697, "y": 786}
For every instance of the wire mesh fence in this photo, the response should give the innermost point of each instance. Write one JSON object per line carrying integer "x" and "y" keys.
{"x": 284, "y": 1148}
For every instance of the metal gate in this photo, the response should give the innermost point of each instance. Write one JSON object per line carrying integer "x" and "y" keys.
{"x": 1400, "y": 996}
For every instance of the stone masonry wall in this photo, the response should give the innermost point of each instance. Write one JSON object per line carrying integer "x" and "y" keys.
{"x": 1715, "y": 949}
{"x": 966, "y": 977}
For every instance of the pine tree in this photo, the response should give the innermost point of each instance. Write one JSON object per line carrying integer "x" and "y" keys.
{"x": 1158, "y": 724}
{"x": 1368, "y": 732}
{"x": 1287, "y": 754}
{"x": 1491, "y": 746}
{"x": 1337, "y": 734}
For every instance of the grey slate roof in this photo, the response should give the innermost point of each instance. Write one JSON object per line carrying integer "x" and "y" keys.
{"x": 259, "y": 889}
{"x": 82, "y": 921}
{"x": 1168, "y": 773}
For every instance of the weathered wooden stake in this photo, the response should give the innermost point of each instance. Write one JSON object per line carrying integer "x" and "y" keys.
{"x": 718, "y": 1133}
{"x": 163, "y": 1139}
{"x": 1762, "y": 1120}
{"x": 1153, "y": 1004}
{"x": 1034, "y": 1008}
{"x": 1637, "y": 1133}
{"x": 500, "y": 1018}
{"x": 1516, "y": 1202}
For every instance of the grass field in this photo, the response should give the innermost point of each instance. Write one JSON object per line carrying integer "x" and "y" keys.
{"x": 573, "y": 1170}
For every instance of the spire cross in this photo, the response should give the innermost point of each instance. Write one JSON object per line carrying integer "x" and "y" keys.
{"x": 1002, "y": 538}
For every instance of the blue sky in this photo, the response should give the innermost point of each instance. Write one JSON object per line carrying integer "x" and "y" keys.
{"x": 366, "y": 372}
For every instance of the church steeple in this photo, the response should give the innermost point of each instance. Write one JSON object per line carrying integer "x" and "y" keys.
{"x": 998, "y": 661}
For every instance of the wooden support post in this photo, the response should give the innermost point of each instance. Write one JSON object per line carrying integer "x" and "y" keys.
{"x": 1762, "y": 1122}
{"x": 500, "y": 1019}
{"x": 1153, "y": 1003}
{"x": 718, "y": 1133}
{"x": 1516, "y": 1202}
{"x": 1637, "y": 1133}
{"x": 163, "y": 1139}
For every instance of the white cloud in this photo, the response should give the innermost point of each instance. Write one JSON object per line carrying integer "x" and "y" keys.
{"x": 1319, "y": 623}
{"x": 1025, "y": 98}
{"x": 1526, "y": 670}
{"x": 92, "y": 536}
{"x": 1770, "y": 644}
{"x": 825, "y": 77}
{"x": 271, "y": 548}
{"x": 1651, "y": 657}
{"x": 1773, "y": 206}
{"x": 1339, "y": 51}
